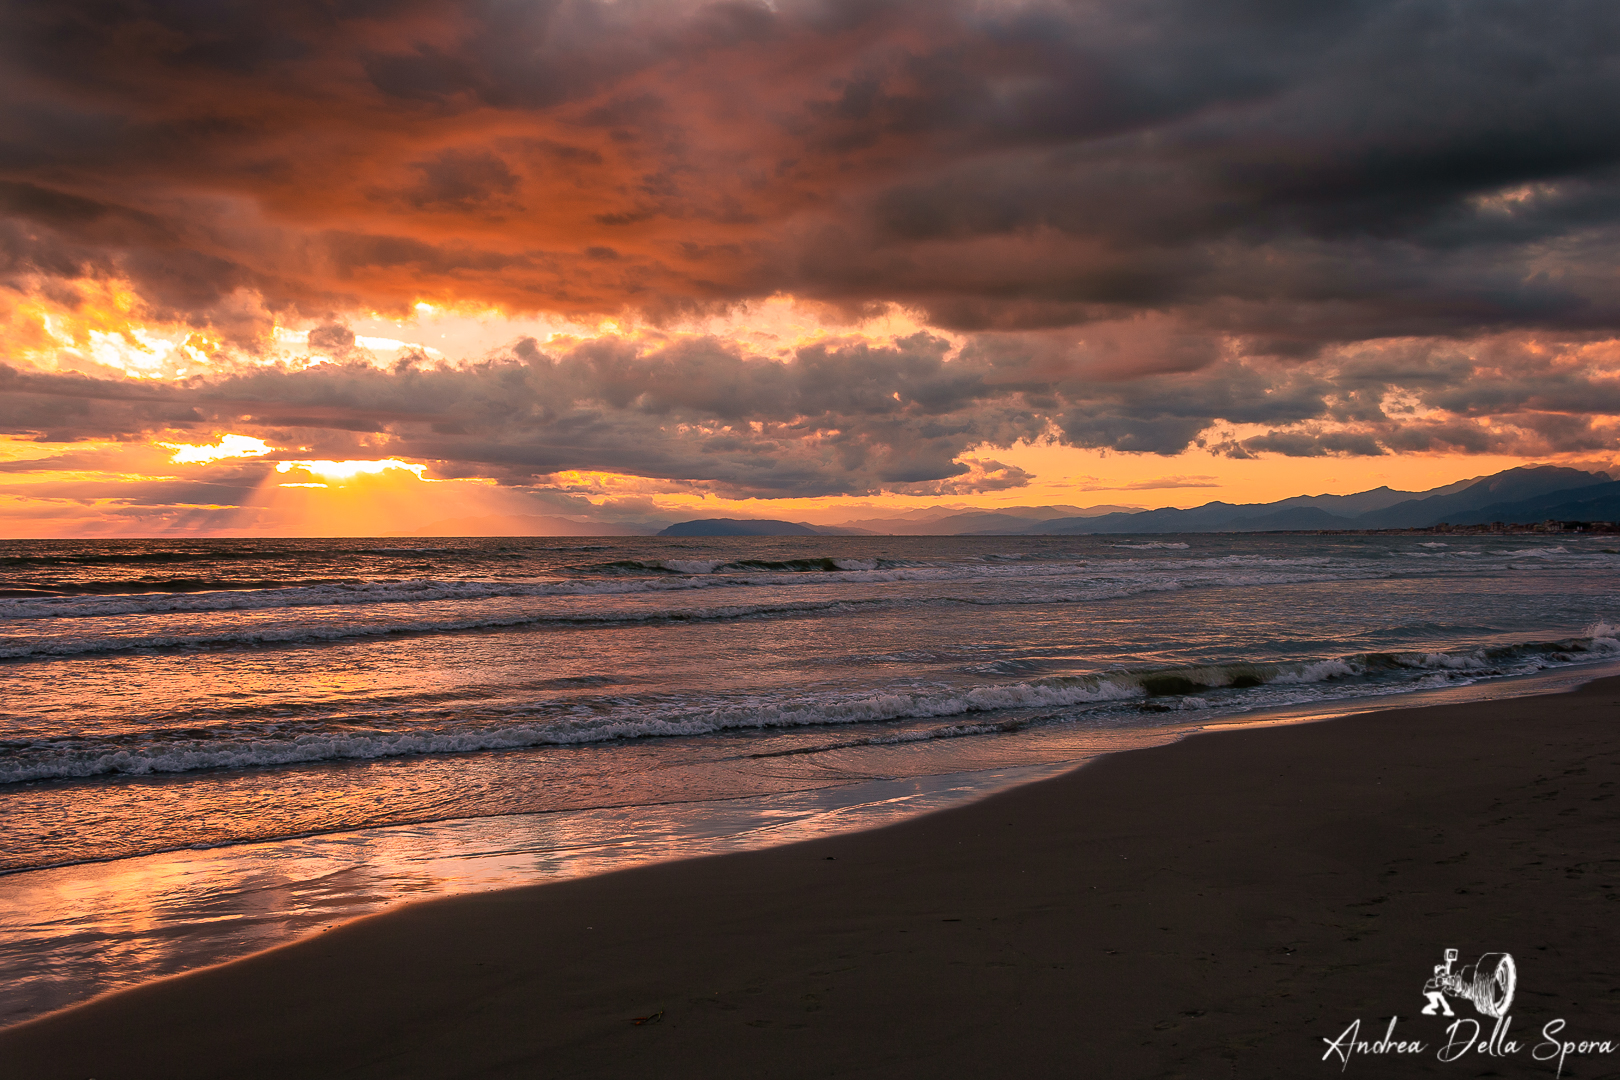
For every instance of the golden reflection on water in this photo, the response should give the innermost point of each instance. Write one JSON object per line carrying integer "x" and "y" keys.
{"x": 69, "y": 933}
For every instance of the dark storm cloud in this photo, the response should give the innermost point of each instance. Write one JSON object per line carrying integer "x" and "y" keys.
{"x": 1359, "y": 228}
{"x": 1297, "y": 173}
{"x": 839, "y": 417}
{"x": 67, "y": 408}
{"x": 146, "y": 493}
{"x": 853, "y": 417}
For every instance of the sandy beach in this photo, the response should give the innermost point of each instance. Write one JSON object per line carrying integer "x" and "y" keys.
{"x": 1217, "y": 907}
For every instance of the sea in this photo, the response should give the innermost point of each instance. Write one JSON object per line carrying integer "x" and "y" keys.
{"x": 210, "y": 747}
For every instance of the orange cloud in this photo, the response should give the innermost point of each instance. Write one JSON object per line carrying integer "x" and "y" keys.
{"x": 794, "y": 250}
{"x": 1017, "y": 165}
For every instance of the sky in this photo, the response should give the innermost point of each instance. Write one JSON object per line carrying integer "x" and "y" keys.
{"x": 359, "y": 266}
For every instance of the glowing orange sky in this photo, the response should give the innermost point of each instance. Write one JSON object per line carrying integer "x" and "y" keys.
{"x": 627, "y": 263}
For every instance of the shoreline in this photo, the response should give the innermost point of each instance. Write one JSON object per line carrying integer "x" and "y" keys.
{"x": 222, "y": 903}
{"x": 1210, "y": 905}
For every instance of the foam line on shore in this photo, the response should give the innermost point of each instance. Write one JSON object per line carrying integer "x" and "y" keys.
{"x": 493, "y": 856}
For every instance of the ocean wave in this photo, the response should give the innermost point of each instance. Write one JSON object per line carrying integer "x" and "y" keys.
{"x": 358, "y": 593}
{"x": 1008, "y": 667}
{"x": 915, "y": 735}
{"x": 149, "y": 586}
{"x": 17, "y": 648}
{"x": 1174, "y": 688}
{"x": 1069, "y": 579}
{"x": 696, "y": 567}
{"x": 54, "y": 761}
{"x": 265, "y": 552}
{"x": 120, "y": 558}
{"x": 300, "y": 594}
{"x": 373, "y": 616}
{"x": 366, "y": 623}
{"x": 1599, "y": 641}
{"x": 1063, "y": 584}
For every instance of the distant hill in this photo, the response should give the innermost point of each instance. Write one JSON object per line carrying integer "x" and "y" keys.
{"x": 1211, "y": 517}
{"x": 1525, "y": 495}
{"x": 1506, "y": 489}
{"x": 1367, "y": 501}
{"x": 739, "y": 527}
{"x": 1598, "y": 502}
{"x": 929, "y": 521}
{"x": 1515, "y": 496}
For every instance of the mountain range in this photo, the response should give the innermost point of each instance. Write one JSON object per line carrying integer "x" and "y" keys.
{"x": 1517, "y": 496}
{"x": 1525, "y": 495}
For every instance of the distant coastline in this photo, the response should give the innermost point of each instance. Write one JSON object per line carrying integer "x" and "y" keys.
{"x": 1538, "y": 499}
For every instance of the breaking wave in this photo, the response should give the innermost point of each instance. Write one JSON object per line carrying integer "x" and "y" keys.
{"x": 307, "y": 633}
{"x": 1060, "y": 583}
{"x": 1010, "y": 707}
{"x": 712, "y": 566}
{"x": 185, "y": 754}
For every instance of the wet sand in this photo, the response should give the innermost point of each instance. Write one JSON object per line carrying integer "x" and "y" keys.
{"x": 1213, "y": 908}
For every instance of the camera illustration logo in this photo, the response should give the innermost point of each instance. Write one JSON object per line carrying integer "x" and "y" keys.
{"x": 1488, "y": 983}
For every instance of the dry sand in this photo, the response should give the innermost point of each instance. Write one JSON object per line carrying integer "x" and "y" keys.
{"x": 1213, "y": 908}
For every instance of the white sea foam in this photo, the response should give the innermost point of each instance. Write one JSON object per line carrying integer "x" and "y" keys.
{"x": 692, "y": 566}
{"x": 187, "y": 755}
{"x": 1317, "y": 671}
{"x": 1175, "y": 689}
